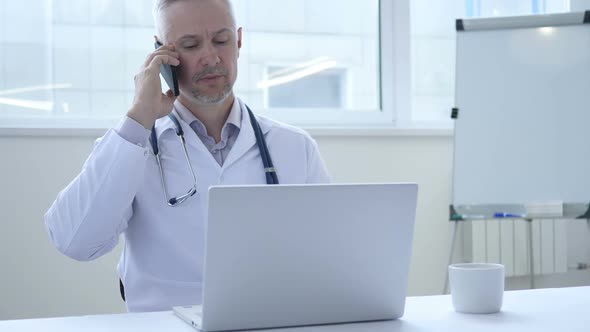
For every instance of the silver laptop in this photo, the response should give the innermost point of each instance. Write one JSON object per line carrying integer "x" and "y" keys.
{"x": 295, "y": 255}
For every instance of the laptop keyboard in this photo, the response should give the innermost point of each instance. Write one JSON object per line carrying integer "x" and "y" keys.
{"x": 196, "y": 310}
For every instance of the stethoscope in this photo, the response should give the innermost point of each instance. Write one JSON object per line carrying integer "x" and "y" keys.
{"x": 269, "y": 170}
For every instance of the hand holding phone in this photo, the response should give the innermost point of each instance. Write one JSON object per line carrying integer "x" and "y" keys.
{"x": 169, "y": 73}
{"x": 149, "y": 103}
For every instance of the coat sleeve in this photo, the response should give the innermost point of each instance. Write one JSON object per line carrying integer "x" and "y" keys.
{"x": 87, "y": 217}
{"x": 316, "y": 168}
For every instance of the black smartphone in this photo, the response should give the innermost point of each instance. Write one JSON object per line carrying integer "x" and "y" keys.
{"x": 170, "y": 74}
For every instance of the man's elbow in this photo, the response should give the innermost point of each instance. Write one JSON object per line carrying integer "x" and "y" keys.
{"x": 68, "y": 250}
{"x": 69, "y": 247}
{"x": 83, "y": 254}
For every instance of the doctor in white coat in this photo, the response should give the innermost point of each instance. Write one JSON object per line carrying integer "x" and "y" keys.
{"x": 120, "y": 188}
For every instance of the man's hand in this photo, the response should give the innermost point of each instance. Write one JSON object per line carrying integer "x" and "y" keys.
{"x": 149, "y": 103}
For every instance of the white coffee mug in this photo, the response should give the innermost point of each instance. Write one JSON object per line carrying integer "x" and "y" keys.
{"x": 477, "y": 288}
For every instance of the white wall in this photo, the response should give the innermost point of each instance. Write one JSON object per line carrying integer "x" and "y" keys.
{"x": 36, "y": 281}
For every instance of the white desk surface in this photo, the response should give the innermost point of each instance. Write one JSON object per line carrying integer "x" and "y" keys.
{"x": 558, "y": 309}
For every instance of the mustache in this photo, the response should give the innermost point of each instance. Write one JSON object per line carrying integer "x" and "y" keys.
{"x": 210, "y": 71}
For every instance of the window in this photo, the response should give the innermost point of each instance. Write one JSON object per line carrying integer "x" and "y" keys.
{"x": 325, "y": 89}
{"x": 80, "y": 68}
{"x": 70, "y": 63}
{"x": 316, "y": 64}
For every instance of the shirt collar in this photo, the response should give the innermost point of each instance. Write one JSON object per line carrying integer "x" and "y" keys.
{"x": 234, "y": 117}
{"x": 235, "y": 114}
{"x": 238, "y": 114}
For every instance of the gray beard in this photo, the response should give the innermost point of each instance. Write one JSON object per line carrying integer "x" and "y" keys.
{"x": 207, "y": 99}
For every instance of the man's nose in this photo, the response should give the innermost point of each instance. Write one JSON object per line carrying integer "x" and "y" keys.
{"x": 210, "y": 57}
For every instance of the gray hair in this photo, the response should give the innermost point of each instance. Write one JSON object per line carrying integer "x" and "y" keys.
{"x": 160, "y": 5}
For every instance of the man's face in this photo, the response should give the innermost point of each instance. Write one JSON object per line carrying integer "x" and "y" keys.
{"x": 208, "y": 44}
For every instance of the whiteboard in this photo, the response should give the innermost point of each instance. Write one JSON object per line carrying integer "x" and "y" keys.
{"x": 523, "y": 97}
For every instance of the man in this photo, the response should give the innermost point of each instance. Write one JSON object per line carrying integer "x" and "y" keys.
{"x": 123, "y": 189}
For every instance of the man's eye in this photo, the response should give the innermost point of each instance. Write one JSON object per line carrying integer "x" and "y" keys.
{"x": 190, "y": 46}
{"x": 221, "y": 41}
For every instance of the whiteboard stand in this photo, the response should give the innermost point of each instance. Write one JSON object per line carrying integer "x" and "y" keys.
{"x": 457, "y": 215}
{"x": 531, "y": 258}
{"x": 521, "y": 92}
{"x": 453, "y": 240}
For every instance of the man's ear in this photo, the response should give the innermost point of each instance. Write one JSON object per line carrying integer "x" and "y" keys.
{"x": 239, "y": 38}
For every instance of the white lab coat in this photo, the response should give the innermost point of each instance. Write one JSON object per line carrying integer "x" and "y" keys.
{"x": 119, "y": 192}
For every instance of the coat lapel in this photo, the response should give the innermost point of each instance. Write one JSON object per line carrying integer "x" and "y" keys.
{"x": 246, "y": 139}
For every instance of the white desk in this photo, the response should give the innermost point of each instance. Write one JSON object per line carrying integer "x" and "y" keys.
{"x": 563, "y": 309}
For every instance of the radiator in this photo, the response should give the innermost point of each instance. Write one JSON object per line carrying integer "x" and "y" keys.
{"x": 506, "y": 242}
